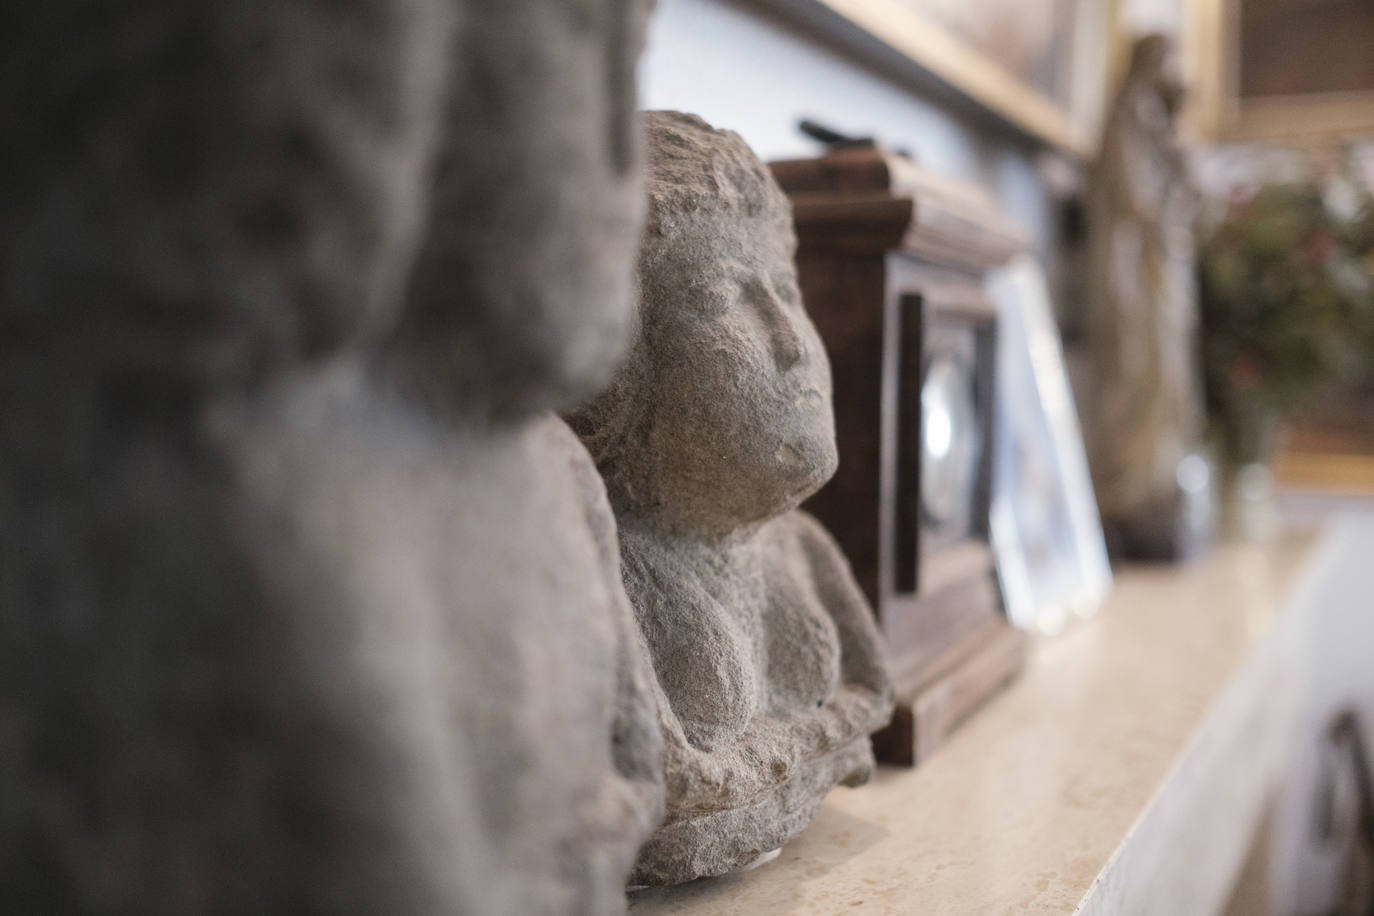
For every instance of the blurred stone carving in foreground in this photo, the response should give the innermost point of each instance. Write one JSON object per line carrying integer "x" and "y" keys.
{"x": 308, "y": 602}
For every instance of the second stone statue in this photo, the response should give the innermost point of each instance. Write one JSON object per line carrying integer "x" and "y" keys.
{"x": 769, "y": 668}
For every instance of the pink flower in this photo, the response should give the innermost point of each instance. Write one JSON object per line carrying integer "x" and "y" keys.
{"x": 1240, "y": 200}
{"x": 1246, "y": 372}
{"x": 1317, "y": 246}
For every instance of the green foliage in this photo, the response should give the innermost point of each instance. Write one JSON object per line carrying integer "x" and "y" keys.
{"x": 1287, "y": 304}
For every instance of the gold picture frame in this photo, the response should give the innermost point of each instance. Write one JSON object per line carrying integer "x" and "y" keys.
{"x": 1070, "y": 123}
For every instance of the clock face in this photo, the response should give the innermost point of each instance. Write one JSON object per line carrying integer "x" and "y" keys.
{"x": 951, "y": 438}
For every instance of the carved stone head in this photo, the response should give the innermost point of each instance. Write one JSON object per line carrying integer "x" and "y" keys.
{"x": 521, "y": 299}
{"x": 721, "y": 416}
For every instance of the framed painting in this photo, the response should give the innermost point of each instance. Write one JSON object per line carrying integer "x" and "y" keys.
{"x": 1290, "y": 71}
{"x": 1039, "y": 65}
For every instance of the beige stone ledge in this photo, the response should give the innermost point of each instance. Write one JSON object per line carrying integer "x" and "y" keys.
{"x": 1124, "y": 772}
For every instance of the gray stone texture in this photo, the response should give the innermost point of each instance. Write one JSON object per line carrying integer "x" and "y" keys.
{"x": 768, "y": 666}
{"x": 308, "y": 601}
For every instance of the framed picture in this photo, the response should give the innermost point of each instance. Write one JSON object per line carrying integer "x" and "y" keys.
{"x": 1045, "y": 531}
{"x": 1039, "y": 65}
{"x": 1278, "y": 70}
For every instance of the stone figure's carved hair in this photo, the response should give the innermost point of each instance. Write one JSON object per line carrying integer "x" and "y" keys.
{"x": 695, "y": 168}
{"x": 694, "y": 174}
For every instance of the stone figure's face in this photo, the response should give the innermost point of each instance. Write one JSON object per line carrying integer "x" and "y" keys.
{"x": 579, "y": 217}
{"x": 742, "y": 384}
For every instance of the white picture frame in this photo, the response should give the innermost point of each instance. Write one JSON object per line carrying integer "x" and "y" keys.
{"x": 1045, "y": 530}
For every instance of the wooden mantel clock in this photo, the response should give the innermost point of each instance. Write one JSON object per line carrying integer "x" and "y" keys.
{"x": 891, "y": 262}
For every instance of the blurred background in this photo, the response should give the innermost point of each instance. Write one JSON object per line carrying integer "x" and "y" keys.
{"x": 1277, "y": 126}
{"x": 1245, "y": 157}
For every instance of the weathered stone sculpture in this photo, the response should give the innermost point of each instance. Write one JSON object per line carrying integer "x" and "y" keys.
{"x": 308, "y": 603}
{"x": 768, "y": 664}
{"x": 1145, "y": 410}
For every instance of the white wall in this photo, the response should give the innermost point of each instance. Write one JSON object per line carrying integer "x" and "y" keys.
{"x": 746, "y": 69}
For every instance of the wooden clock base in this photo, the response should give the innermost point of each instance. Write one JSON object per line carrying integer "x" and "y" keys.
{"x": 951, "y": 649}
{"x": 956, "y": 683}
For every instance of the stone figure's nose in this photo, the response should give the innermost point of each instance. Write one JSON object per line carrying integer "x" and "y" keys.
{"x": 788, "y": 345}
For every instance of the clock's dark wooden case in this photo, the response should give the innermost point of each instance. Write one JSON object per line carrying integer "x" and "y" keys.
{"x": 891, "y": 261}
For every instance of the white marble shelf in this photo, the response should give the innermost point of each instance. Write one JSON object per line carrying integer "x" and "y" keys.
{"x": 1124, "y": 772}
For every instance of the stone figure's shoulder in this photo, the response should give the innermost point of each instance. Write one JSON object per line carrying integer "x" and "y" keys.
{"x": 562, "y": 449}
{"x": 662, "y": 573}
{"x": 803, "y": 542}
{"x": 799, "y": 533}
{"x": 559, "y": 448}
{"x": 654, "y": 573}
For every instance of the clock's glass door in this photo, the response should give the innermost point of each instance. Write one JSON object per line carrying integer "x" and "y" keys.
{"x": 951, "y": 439}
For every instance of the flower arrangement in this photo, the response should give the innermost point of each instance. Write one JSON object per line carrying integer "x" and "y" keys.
{"x": 1286, "y": 295}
